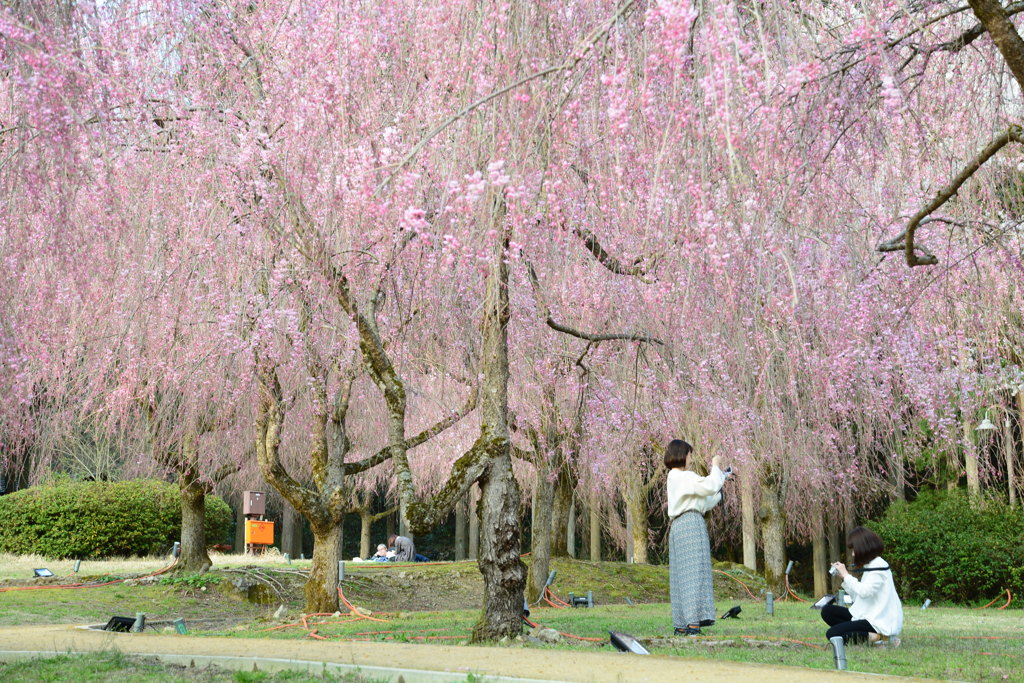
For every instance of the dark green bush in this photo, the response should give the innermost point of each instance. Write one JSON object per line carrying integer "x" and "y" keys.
{"x": 99, "y": 519}
{"x": 944, "y": 547}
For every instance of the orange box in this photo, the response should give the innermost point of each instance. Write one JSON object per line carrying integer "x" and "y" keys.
{"x": 259, "y": 533}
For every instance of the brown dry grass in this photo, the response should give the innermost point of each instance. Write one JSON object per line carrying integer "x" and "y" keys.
{"x": 21, "y": 566}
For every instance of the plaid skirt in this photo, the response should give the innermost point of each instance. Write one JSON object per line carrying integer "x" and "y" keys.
{"x": 690, "y": 580}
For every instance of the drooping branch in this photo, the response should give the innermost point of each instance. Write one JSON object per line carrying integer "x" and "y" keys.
{"x": 575, "y": 57}
{"x": 905, "y": 240}
{"x": 586, "y": 336}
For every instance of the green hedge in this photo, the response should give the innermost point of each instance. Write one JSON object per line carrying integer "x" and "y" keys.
{"x": 944, "y": 547}
{"x": 100, "y": 519}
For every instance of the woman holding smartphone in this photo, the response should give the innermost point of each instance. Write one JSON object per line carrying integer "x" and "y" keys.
{"x": 876, "y": 614}
{"x": 689, "y": 550}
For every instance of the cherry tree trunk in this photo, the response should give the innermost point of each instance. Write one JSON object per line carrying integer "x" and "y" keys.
{"x": 749, "y": 520}
{"x": 365, "y": 527}
{"x": 322, "y": 586}
{"x": 291, "y": 531}
{"x": 1011, "y": 449}
{"x": 595, "y": 528}
{"x": 474, "y": 522}
{"x": 636, "y": 515}
{"x": 194, "y": 557}
{"x": 560, "y": 515}
{"x": 819, "y": 554}
{"x": 570, "y": 531}
{"x": 239, "y": 528}
{"x": 773, "y": 537}
{"x": 971, "y": 459}
{"x": 540, "y": 543}
{"x": 504, "y": 573}
{"x": 460, "y": 530}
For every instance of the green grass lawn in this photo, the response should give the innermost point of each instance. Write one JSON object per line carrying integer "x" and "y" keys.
{"x": 114, "y": 666}
{"x": 947, "y": 642}
{"x": 941, "y": 642}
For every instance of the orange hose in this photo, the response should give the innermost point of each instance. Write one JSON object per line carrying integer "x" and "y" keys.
{"x": 1009, "y": 598}
{"x": 739, "y": 582}
{"x": 353, "y": 610}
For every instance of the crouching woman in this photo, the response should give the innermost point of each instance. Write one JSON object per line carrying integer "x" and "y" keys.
{"x": 876, "y": 614}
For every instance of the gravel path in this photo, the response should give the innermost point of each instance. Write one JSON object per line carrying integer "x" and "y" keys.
{"x": 548, "y": 665}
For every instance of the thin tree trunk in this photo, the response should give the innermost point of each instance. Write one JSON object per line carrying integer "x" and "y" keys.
{"x": 540, "y": 543}
{"x": 291, "y": 531}
{"x": 629, "y": 536}
{"x": 773, "y": 537}
{"x": 820, "y": 559}
{"x": 971, "y": 459}
{"x": 460, "y": 530}
{"x": 595, "y": 528}
{"x": 239, "y": 528}
{"x": 365, "y": 530}
{"x": 749, "y": 519}
{"x": 1011, "y": 448}
{"x": 322, "y": 586}
{"x": 474, "y": 522}
{"x": 636, "y": 520}
{"x": 570, "y": 531}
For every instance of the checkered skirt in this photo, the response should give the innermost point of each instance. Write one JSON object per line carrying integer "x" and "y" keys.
{"x": 690, "y": 581}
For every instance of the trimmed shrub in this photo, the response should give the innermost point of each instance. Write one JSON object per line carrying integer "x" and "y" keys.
{"x": 944, "y": 547}
{"x": 99, "y": 519}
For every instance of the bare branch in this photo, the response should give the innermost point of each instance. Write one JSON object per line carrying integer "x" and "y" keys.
{"x": 586, "y": 336}
{"x": 905, "y": 240}
{"x": 385, "y": 453}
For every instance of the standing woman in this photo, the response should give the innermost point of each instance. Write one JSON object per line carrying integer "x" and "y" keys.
{"x": 689, "y": 550}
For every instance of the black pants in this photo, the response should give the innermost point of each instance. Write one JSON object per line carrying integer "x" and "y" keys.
{"x": 843, "y": 624}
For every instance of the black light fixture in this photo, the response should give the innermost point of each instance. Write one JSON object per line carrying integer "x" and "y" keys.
{"x": 624, "y": 642}
{"x": 733, "y": 613}
{"x": 120, "y": 624}
{"x": 43, "y": 572}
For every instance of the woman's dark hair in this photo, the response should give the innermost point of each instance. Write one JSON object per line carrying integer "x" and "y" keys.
{"x": 676, "y": 452}
{"x": 865, "y": 544}
{"x": 391, "y": 540}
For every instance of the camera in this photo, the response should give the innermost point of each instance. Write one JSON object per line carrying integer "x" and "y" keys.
{"x": 832, "y": 571}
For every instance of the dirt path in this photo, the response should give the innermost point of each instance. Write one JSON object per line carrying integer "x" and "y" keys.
{"x": 547, "y": 665}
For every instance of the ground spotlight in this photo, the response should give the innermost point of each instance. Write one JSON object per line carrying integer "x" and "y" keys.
{"x": 43, "y": 572}
{"x": 733, "y": 613}
{"x": 627, "y": 643}
{"x": 120, "y": 624}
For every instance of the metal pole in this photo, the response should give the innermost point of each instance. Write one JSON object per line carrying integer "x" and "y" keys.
{"x": 78, "y": 564}
{"x": 769, "y": 603}
{"x": 341, "y": 571}
{"x": 179, "y": 625}
{"x": 140, "y": 622}
{"x": 839, "y": 651}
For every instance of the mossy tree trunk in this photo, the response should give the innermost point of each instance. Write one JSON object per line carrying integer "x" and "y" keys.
{"x": 194, "y": 557}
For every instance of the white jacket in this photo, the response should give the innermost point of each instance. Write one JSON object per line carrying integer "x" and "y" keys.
{"x": 875, "y": 599}
{"x": 688, "y": 490}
